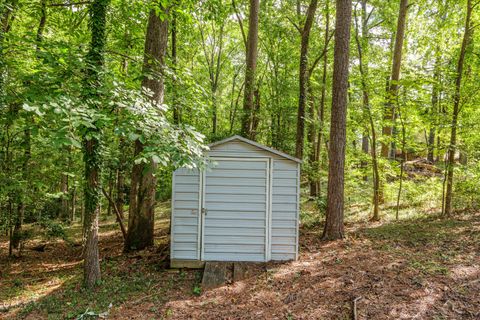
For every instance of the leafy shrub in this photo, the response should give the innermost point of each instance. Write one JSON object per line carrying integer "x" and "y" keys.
{"x": 53, "y": 229}
{"x": 467, "y": 188}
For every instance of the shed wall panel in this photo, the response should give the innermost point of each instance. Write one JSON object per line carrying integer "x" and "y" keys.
{"x": 284, "y": 209}
{"x": 185, "y": 214}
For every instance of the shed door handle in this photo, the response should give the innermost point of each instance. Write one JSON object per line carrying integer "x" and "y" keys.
{"x": 204, "y": 211}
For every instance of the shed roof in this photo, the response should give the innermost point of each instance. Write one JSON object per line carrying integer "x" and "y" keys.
{"x": 256, "y": 144}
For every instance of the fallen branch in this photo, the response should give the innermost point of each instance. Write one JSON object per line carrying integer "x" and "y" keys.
{"x": 354, "y": 309}
{"x": 117, "y": 213}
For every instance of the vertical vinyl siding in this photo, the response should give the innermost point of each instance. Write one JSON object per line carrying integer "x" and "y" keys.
{"x": 185, "y": 214}
{"x": 284, "y": 209}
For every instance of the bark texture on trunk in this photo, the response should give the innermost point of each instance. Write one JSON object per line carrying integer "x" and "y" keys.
{"x": 334, "y": 228}
{"x": 250, "y": 70}
{"x": 395, "y": 77}
{"x": 456, "y": 109}
{"x": 303, "y": 78}
{"x": 143, "y": 181}
{"x": 91, "y": 145}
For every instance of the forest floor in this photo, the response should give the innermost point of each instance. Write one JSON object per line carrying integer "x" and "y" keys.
{"x": 424, "y": 268}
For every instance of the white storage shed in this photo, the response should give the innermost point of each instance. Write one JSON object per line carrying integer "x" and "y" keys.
{"x": 244, "y": 207}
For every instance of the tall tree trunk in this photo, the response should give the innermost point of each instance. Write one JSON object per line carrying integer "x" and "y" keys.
{"x": 312, "y": 156}
{"x": 27, "y": 147}
{"x": 176, "y": 108}
{"x": 402, "y": 165}
{"x": 73, "y": 204}
{"x": 362, "y": 45}
{"x": 334, "y": 228}
{"x": 143, "y": 182}
{"x": 456, "y": 109}
{"x": 91, "y": 145}
{"x": 110, "y": 191}
{"x": 64, "y": 209}
{"x": 250, "y": 69}
{"x": 365, "y": 134}
{"x": 41, "y": 24}
{"x": 120, "y": 194}
{"x": 303, "y": 77}
{"x": 256, "y": 114}
{"x": 434, "y": 108}
{"x": 213, "y": 61}
{"x": 321, "y": 112}
{"x": 25, "y": 174}
{"x": 395, "y": 77}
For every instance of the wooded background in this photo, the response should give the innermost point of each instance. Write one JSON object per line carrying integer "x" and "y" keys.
{"x": 77, "y": 128}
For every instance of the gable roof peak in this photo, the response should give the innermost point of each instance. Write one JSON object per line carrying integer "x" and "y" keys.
{"x": 256, "y": 144}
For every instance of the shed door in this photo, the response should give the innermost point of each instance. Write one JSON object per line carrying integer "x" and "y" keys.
{"x": 236, "y": 206}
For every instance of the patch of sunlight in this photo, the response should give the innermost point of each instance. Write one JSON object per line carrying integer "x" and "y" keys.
{"x": 464, "y": 272}
{"x": 57, "y": 266}
{"x": 107, "y": 234}
{"x": 37, "y": 290}
{"x": 239, "y": 287}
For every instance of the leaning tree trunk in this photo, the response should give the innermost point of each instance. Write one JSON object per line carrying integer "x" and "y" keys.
{"x": 250, "y": 70}
{"x": 143, "y": 181}
{"x": 334, "y": 228}
{"x": 303, "y": 78}
{"x": 395, "y": 77}
{"x": 91, "y": 145}
{"x": 456, "y": 109}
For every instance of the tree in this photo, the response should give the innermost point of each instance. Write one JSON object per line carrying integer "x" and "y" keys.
{"x": 317, "y": 114}
{"x": 213, "y": 51}
{"x": 362, "y": 44}
{"x": 303, "y": 77}
{"x": 467, "y": 34}
{"x": 335, "y": 194}
{"x": 143, "y": 180}
{"x": 92, "y": 140}
{"x": 250, "y": 71}
{"x": 393, "y": 85}
{"x": 315, "y": 186}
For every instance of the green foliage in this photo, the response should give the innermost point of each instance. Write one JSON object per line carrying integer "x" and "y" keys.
{"x": 53, "y": 229}
{"x": 467, "y": 187}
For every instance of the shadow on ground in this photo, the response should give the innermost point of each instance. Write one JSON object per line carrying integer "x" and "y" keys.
{"x": 425, "y": 269}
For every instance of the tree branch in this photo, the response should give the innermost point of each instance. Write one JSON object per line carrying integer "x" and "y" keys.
{"x": 69, "y": 4}
{"x": 324, "y": 51}
{"x": 117, "y": 213}
{"x": 240, "y": 23}
{"x": 295, "y": 25}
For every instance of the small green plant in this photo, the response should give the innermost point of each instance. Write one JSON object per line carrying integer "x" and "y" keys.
{"x": 17, "y": 283}
{"x": 197, "y": 290}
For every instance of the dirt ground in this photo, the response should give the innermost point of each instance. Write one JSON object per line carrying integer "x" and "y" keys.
{"x": 417, "y": 269}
